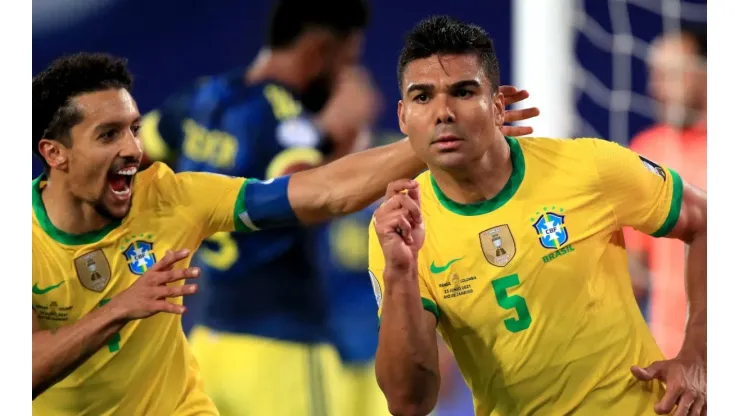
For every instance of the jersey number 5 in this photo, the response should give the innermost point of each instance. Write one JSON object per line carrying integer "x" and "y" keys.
{"x": 515, "y": 302}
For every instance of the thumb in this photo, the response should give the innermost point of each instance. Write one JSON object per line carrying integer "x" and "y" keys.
{"x": 646, "y": 373}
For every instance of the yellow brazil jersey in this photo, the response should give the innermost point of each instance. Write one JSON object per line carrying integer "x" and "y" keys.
{"x": 531, "y": 288}
{"x": 147, "y": 368}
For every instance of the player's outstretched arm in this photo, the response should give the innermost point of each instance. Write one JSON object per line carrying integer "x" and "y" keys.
{"x": 351, "y": 183}
{"x": 58, "y": 352}
{"x": 407, "y": 362}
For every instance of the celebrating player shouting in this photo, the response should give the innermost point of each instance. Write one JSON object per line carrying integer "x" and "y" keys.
{"x": 519, "y": 259}
{"x": 107, "y": 242}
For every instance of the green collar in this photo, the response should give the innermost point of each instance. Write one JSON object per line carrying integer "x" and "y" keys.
{"x": 59, "y": 235}
{"x": 484, "y": 207}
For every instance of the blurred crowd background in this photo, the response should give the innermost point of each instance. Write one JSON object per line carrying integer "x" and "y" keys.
{"x": 631, "y": 71}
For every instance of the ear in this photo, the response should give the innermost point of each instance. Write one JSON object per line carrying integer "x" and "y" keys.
{"x": 402, "y": 118}
{"x": 498, "y": 109}
{"x": 54, "y": 153}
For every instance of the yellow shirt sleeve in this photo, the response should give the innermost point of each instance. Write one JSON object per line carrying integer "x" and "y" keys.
{"x": 643, "y": 194}
{"x": 376, "y": 266}
{"x": 209, "y": 201}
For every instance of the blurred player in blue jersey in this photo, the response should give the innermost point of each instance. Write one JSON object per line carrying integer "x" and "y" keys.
{"x": 262, "y": 340}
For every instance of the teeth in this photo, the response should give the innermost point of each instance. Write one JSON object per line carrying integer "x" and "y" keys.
{"x": 123, "y": 193}
{"x": 127, "y": 171}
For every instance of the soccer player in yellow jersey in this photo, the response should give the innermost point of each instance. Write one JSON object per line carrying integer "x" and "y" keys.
{"x": 513, "y": 249}
{"x": 112, "y": 246}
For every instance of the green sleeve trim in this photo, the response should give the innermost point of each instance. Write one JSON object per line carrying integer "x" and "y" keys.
{"x": 430, "y": 306}
{"x": 427, "y": 304}
{"x": 675, "y": 211}
{"x": 240, "y": 209}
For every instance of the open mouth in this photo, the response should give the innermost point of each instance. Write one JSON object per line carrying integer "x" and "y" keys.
{"x": 120, "y": 181}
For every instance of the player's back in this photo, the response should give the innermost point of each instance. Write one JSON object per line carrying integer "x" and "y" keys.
{"x": 260, "y": 284}
{"x": 147, "y": 367}
{"x": 531, "y": 287}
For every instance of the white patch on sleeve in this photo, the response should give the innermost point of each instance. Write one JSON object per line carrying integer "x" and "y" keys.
{"x": 376, "y": 288}
{"x": 297, "y": 132}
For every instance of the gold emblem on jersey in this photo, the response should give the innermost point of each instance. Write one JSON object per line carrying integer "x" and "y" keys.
{"x": 93, "y": 270}
{"x": 498, "y": 245}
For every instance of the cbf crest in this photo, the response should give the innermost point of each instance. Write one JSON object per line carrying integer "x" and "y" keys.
{"x": 93, "y": 270}
{"x": 551, "y": 230}
{"x": 498, "y": 245}
{"x": 139, "y": 256}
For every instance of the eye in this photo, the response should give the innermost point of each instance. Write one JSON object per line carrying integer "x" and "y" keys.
{"x": 108, "y": 135}
{"x": 421, "y": 98}
{"x": 463, "y": 93}
{"x": 135, "y": 129}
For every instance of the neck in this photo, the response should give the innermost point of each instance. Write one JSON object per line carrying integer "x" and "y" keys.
{"x": 479, "y": 180}
{"x": 68, "y": 213}
{"x": 277, "y": 66}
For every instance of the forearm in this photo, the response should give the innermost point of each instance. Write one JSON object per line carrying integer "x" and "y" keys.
{"x": 351, "y": 183}
{"x": 58, "y": 352}
{"x": 696, "y": 294}
{"x": 407, "y": 362}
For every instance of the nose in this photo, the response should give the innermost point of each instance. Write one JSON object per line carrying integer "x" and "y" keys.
{"x": 131, "y": 147}
{"x": 444, "y": 111}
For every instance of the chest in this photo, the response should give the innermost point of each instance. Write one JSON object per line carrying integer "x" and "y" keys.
{"x": 70, "y": 281}
{"x": 499, "y": 272}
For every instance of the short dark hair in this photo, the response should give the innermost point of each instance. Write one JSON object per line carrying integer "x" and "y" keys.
{"x": 448, "y": 36}
{"x": 698, "y": 34}
{"x": 292, "y": 18}
{"x": 66, "y": 78}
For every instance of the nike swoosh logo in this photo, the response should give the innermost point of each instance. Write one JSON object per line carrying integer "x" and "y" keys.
{"x": 434, "y": 269}
{"x": 39, "y": 291}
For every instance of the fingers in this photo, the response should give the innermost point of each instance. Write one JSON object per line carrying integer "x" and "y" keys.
{"x": 396, "y": 187}
{"x": 396, "y": 223}
{"x": 170, "y": 259}
{"x": 672, "y": 394}
{"x": 177, "y": 291}
{"x": 165, "y": 306}
{"x": 511, "y": 116}
{"x": 516, "y": 131}
{"x": 698, "y": 407}
{"x": 515, "y": 97}
{"x": 653, "y": 371}
{"x": 177, "y": 274}
{"x": 684, "y": 404}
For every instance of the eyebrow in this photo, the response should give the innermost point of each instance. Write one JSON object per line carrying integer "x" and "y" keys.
{"x": 454, "y": 86}
{"x": 115, "y": 124}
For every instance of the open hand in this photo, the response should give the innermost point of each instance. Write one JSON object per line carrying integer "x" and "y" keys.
{"x": 686, "y": 384}
{"x": 148, "y": 295}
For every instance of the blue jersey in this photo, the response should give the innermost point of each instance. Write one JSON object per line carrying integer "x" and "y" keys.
{"x": 261, "y": 284}
{"x": 340, "y": 252}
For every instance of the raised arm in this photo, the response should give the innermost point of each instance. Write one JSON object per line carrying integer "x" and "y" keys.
{"x": 407, "y": 362}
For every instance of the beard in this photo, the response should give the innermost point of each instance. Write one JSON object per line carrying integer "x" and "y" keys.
{"x": 317, "y": 93}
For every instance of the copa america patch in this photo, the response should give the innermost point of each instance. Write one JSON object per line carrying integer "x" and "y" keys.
{"x": 653, "y": 167}
{"x": 376, "y": 288}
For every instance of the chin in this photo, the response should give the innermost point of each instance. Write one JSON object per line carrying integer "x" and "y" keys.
{"x": 114, "y": 211}
{"x": 450, "y": 160}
